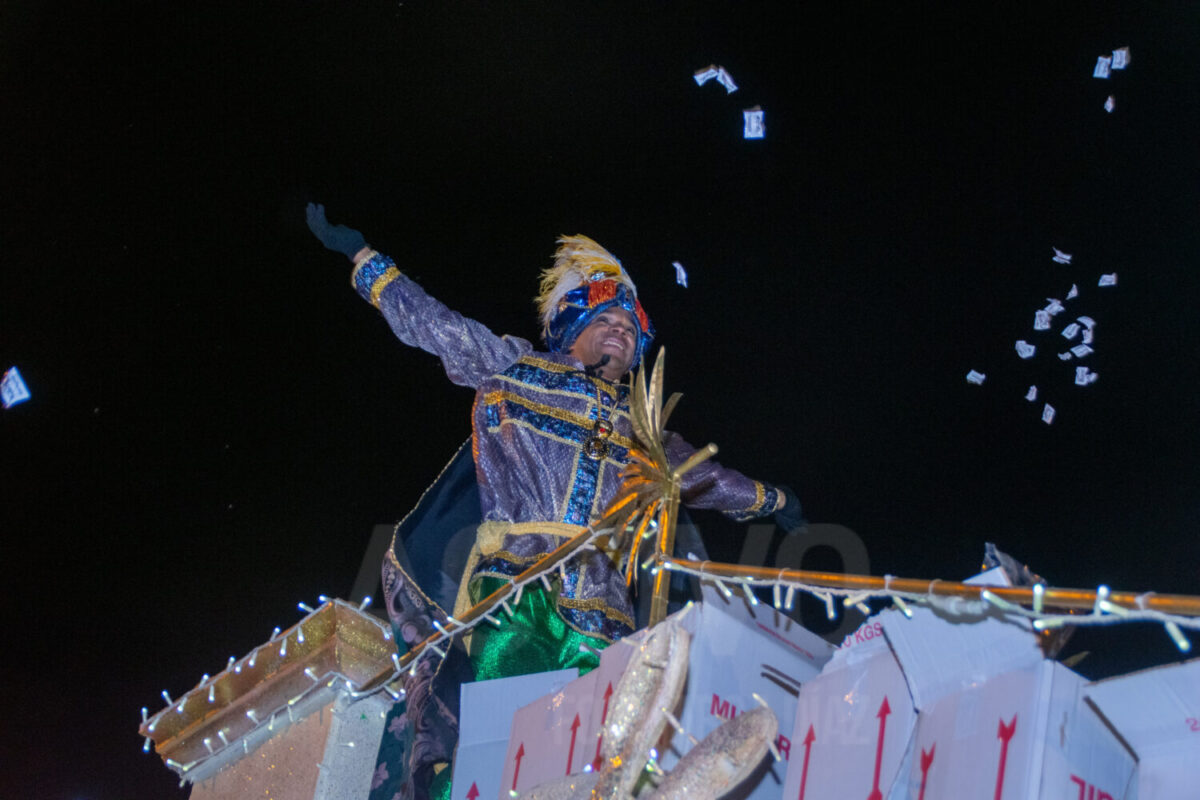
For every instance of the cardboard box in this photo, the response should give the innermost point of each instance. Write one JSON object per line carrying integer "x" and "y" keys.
{"x": 739, "y": 650}
{"x": 1023, "y": 735}
{"x": 487, "y": 709}
{"x": 853, "y": 723}
{"x": 559, "y": 733}
{"x": 1157, "y": 713}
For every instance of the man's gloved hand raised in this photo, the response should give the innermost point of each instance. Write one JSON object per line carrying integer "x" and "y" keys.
{"x": 337, "y": 238}
{"x": 790, "y": 517}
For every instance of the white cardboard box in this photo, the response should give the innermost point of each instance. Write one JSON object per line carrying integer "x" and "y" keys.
{"x": 559, "y": 733}
{"x": 486, "y": 712}
{"x": 1157, "y": 712}
{"x": 857, "y": 720}
{"x": 853, "y": 723}
{"x": 1023, "y": 735}
{"x": 737, "y": 651}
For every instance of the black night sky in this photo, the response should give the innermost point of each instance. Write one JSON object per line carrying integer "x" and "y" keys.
{"x": 218, "y": 421}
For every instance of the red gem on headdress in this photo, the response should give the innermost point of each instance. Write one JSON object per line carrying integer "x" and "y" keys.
{"x": 643, "y": 320}
{"x": 601, "y": 291}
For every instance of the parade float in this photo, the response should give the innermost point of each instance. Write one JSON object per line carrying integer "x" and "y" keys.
{"x": 951, "y": 691}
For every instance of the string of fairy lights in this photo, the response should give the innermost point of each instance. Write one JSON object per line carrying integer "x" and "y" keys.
{"x": 783, "y": 587}
{"x": 437, "y": 645}
{"x": 1103, "y": 612}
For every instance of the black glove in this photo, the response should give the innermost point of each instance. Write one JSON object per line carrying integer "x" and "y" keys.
{"x": 791, "y": 516}
{"x": 337, "y": 238}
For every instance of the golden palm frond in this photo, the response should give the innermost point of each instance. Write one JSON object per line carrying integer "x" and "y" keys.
{"x": 648, "y": 500}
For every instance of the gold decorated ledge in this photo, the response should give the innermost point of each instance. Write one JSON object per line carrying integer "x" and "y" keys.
{"x": 335, "y": 648}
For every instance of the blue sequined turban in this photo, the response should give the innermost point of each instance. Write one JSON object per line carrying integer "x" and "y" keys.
{"x": 580, "y": 306}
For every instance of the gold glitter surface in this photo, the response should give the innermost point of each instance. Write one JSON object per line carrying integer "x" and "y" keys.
{"x": 284, "y": 767}
{"x": 338, "y": 638}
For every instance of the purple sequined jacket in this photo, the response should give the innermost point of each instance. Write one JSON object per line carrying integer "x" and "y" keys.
{"x": 533, "y": 412}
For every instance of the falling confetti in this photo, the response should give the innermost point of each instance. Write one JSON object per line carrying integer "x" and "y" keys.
{"x": 1025, "y": 349}
{"x": 1031, "y": 395}
{"x": 1071, "y": 331}
{"x": 1102, "y": 65}
{"x": 1048, "y": 413}
{"x": 1120, "y": 58}
{"x": 976, "y": 378}
{"x": 1071, "y": 295}
{"x": 1083, "y": 377}
{"x": 726, "y": 80}
{"x": 1110, "y": 104}
{"x": 1108, "y": 280}
{"x": 680, "y": 274}
{"x": 706, "y": 74}
{"x": 1041, "y": 320}
{"x": 1081, "y": 350}
{"x": 754, "y": 127}
{"x": 13, "y": 389}
{"x": 1060, "y": 256}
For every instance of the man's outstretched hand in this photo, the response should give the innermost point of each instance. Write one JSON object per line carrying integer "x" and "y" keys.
{"x": 337, "y": 238}
{"x": 790, "y": 517}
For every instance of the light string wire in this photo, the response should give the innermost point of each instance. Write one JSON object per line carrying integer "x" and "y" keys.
{"x": 1103, "y": 607}
{"x": 438, "y": 643}
{"x": 258, "y": 718}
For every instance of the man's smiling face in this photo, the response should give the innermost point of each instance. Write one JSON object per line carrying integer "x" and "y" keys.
{"x": 612, "y": 333}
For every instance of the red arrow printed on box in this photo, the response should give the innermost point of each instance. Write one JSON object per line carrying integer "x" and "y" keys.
{"x": 1005, "y": 735}
{"x": 571, "y": 752}
{"x": 473, "y": 792}
{"x": 926, "y": 763}
{"x": 517, "y": 771}
{"x": 809, "y": 738}
{"x": 603, "y": 719}
{"x": 884, "y": 710}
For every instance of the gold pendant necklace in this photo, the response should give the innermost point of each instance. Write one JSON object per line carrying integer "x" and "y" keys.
{"x": 596, "y": 446}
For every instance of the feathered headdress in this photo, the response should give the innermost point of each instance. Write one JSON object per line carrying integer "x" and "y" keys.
{"x": 584, "y": 281}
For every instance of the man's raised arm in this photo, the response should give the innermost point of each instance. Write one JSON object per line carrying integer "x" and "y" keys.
{"x": 469, "y": 351}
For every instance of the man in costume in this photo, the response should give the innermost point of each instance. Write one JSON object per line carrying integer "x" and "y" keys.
{"x": 551, "y": 433}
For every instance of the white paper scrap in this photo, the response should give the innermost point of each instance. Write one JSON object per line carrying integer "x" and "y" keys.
{"x": 726, "y": 80}
{"x": 1073, "y": 293}
{"x": 1060, "y": 256}
{"x": 1108, "y": 280}
{"x": 1087, "y": 322}
{"x": 1048, "y": 414}
{"x": 1102, "y": 65}
{"x": 1083, "y": 377}
{"x": 1041, "y": 320}
{"x": 753, "y": 125}
{"x": 1053, "y": 306}
{"x": 1081, "y": 350}
{"x": 1110, "y": 104}
{"x": 1071, "y": 331}
{"x": 1120, "y": 58}
{"x": 705, "y": 74}
{"x": 1025, "y": 349}
{"x": 1031, "y": 395}
{"x": 976, "y": 378}
{"x": 1065, "y": 356}
{"x": 680, "y": 274}
{"x": 12, "y": 388}
{"x": 1088, "y": 334}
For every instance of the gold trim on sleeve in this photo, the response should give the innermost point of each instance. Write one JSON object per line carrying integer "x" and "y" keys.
{"x": 381, "y": 283}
